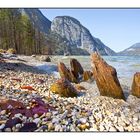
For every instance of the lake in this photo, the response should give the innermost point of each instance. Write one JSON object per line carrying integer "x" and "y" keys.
{"x": 126, "y": 66}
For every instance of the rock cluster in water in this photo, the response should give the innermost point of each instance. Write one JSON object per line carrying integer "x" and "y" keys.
{"x": 76, "y": 73}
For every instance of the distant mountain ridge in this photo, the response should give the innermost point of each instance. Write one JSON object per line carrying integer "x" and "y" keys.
{"x": 132, "y": 50}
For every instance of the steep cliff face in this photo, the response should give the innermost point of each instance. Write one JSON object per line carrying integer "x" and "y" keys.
{"x": 38, "y": 19}
{"x": 71, "y": 29}
{"x": 133, "y": 50}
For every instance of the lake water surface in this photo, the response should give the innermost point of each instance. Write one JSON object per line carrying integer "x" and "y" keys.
{"x": 126, "y": 66}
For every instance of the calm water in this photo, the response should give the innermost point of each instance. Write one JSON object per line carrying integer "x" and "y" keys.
{"x": 126, "y": 66}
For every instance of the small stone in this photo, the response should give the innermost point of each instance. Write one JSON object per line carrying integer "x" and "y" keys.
{"x": 83, "y": 126}
{"x": 13, "y": 129}
{"x": 28, "y": 107}
{"x": 28, "y": 97}
{"x": 7, "y": 129}
{"x": 50, "y": 126}
{"x": 18, "y": 125}
{"x": 55, "y": 120}
{"x": 48, "y": 115}
{"x": 37, "y": 120}
{"x": 36, "y": 116}
{"x": 3, "y": 112}
{"x": 18, "y": 115}
{"x": 93, "y": 129}
{"x": 57, "y": 128}
{"x": 2, "y": 126}
{"x": 101, "y": 128}
{"x": 83, "y": 120}
{"x": 72, "y": 129}
{"x": 120, "y": 128}
{"x": 112, "y": 129}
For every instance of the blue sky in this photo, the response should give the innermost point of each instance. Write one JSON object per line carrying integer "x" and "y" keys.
{"x": 117, "y": 28}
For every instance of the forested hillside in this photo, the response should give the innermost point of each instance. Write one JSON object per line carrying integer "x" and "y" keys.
{"x": 18, "y": 32}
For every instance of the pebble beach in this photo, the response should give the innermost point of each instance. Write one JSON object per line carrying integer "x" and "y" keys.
{"x": 88, "y": 112}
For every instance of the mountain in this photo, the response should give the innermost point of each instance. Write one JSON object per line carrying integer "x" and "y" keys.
{"x": 133, "y": 50}
{"x": 78, "y": 35}
{"x": 28, "y": 31}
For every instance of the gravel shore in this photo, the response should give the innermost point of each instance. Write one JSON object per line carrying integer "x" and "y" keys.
{"x": 88, "y": 112}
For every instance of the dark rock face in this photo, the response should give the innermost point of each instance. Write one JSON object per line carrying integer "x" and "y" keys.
{"x": 106, "y": 78}
{"x": 133, "y": 50}
{"x": 78, "y": 35}
{"x": 136, "y": 85}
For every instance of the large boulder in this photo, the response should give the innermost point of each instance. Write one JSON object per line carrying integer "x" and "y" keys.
{"x": 65, "y": 72}
{"x": 136, "y": 85}
{"x": 64, "y": 88}
{"x": 106, "y": 78}
{"x": 76, "y": 68}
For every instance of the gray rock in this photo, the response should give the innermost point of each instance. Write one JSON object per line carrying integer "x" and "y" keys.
{"x": 2, "y": 126}
{"x": 83, "y": 120}
{"x": 78, "y": 36}
{"x": 7, "y": 129}
{"x": 37, "y": 120}
{"x": 112, "y": 129}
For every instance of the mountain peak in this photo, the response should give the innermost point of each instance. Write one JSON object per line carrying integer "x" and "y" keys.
{"x": 78, "y": 35}
{"x": 132, "y": 50}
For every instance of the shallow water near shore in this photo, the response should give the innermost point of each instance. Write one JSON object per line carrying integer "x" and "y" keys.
{"x": 126, "y": 66}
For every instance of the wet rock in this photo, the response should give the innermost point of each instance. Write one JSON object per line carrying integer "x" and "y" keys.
{"x": 76, "y": 68}
{"x": 64, "y": 88}
{"x": 66, "y": 73}
{"x": 28, "y": 127}
{"x": 45, "y": 58}
{"x": 106, "y": 78}
{"x": 136, "y": 85}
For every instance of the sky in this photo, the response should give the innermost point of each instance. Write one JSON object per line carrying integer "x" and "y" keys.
{"x": 116, "y": 28}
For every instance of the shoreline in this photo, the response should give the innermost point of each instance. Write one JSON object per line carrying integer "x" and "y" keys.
{"x": 88, "y": 112}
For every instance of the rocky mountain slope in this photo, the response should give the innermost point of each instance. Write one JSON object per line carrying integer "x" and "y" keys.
{"x": 133, "y": 50}
{"x": 78, "y": 35}
{"x": 37, "y": 18}
{"x": 30, "y": 32}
